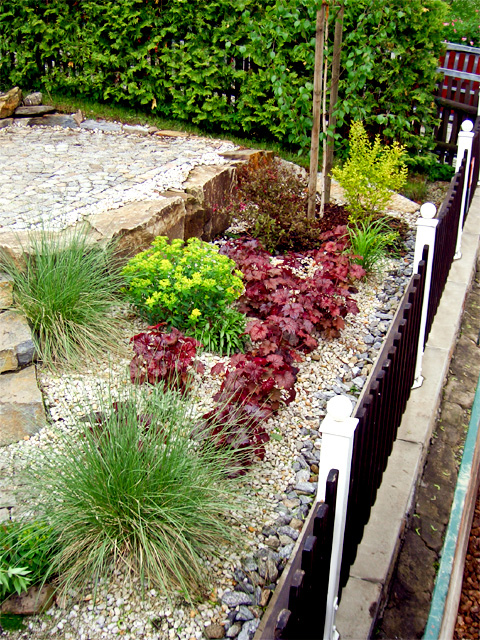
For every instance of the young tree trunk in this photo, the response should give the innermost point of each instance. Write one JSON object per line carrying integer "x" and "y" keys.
{"x": 317, "y": 108}
{"x": 332, "y": 119}
{"x": 324, "y": 116}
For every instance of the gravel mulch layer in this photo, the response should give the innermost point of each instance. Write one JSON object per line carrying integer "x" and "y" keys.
{"x": 281, "y": 489}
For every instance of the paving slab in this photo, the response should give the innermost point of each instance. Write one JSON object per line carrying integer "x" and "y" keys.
{"x": 61, "y": 177}
{"x": 367, "y": 594}
{"x": 394, "y": 499}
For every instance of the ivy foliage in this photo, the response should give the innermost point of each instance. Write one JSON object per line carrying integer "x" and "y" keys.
{"x": 244, "y": 67}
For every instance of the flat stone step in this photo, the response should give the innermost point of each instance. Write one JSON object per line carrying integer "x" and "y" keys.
{"x": 53, "y": 120}
{"x": 21, "y": 405}
{"x": 37, "y": 110}
{"x": 16, "y": 344}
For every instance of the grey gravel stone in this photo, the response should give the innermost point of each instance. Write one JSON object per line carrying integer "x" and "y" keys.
{"x": 236, "y": 598}
{"x": 288, "y": 531}
{"x": 305, "y": 487}
{"x": 234, "y": 630}
{"x": 248, "y": 629}
{"x": 244, "y": 614}
{"x": 249, "y": 563}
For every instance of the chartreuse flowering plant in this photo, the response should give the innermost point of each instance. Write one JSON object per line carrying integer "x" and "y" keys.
{"x": 187, "y": 285}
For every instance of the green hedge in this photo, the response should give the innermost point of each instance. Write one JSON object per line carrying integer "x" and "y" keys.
{"x": 243, "y": 67}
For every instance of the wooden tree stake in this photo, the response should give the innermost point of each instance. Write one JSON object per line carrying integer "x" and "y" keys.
{"x": 317, "y": 108}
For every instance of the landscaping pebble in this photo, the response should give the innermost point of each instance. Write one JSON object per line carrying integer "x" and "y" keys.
{"x": 282, "y": 488}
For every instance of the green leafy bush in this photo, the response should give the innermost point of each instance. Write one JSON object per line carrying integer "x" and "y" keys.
{"x": 66, "y": 287}
{"x": 26, "y": 551}
{"x": 370, "y": 174}
{"x": 131, "y": 491}
{"x": 428, "y": 165}
{"x": 371, "y": 241}
{"x": 389, "y": 66}
{"x": 13, "y": 580}
{"x": 185, "y": 285}
{"x": 463, "y": 23}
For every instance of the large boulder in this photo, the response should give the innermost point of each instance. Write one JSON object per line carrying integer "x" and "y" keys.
{"x": 9, "y": 102}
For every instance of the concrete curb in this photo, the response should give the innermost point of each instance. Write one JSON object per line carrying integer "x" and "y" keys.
{"x": 365, "y": 593}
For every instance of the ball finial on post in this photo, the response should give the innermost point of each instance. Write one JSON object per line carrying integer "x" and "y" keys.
{"x": 339, "y": 408}
{"x": 428, "y": 210}
{"x": 467, "y": 125}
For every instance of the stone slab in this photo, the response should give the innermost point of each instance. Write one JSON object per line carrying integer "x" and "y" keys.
{"x": 210, "y": 185}
{"x": 33, "y": 111}
{"x": 6, "y": 291}
{"x": 34, "y": 601}
{"x": 100, "y": 125}
{"x": 53, "y": 120}
{"x": 381, "y": 536}
{"x": 449, "y": 314}
{"x": 136, "y": 225}
{"x": 16, "y": 344}
{"x": 167, "y": 133}
{"x": 21, "y": 405}
{"x": 138, "y": 129}
{"x": 361, "y": 597}
{"x": 421, "y": 411}
{"x": 33, "y": 99}
{"x": 5, "y": 122}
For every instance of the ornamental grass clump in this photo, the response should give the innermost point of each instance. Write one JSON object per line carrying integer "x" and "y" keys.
{"x": 372, "y": 241}
{"x": 132, "y": 491}
{"x": 66, "y": 287}
{"x": 371, "y": 173}
{"x": 189, "y": 286}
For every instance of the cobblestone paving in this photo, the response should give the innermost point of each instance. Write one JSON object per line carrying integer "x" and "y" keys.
{"x": 55, "y": 177}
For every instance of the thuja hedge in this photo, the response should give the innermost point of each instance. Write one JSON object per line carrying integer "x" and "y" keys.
{"x": 244, "y": 67}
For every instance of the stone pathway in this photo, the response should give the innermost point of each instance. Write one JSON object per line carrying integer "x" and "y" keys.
{"x": 58, "y": 177}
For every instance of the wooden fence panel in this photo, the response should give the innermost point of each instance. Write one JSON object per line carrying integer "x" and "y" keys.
{"x": 299, "y": 609}
{"x": 379, "y": 413}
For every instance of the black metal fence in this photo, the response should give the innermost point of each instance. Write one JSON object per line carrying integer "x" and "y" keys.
{"x": 298, "y": 612}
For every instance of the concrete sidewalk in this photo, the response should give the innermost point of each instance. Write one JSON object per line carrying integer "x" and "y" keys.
{"x": 367, "y": 587}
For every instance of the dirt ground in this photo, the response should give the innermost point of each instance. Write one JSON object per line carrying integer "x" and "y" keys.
{"x": 408, "y": 605}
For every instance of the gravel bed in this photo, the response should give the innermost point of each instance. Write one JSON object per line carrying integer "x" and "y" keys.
{"x": 281, "y": 489}
{"x": 468, "y": 619}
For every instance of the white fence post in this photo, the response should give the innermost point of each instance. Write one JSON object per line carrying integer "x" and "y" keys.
{"x": 426, "y": 230}
{"x": 464, "y": 143}
{"x": 338, "y": 429}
